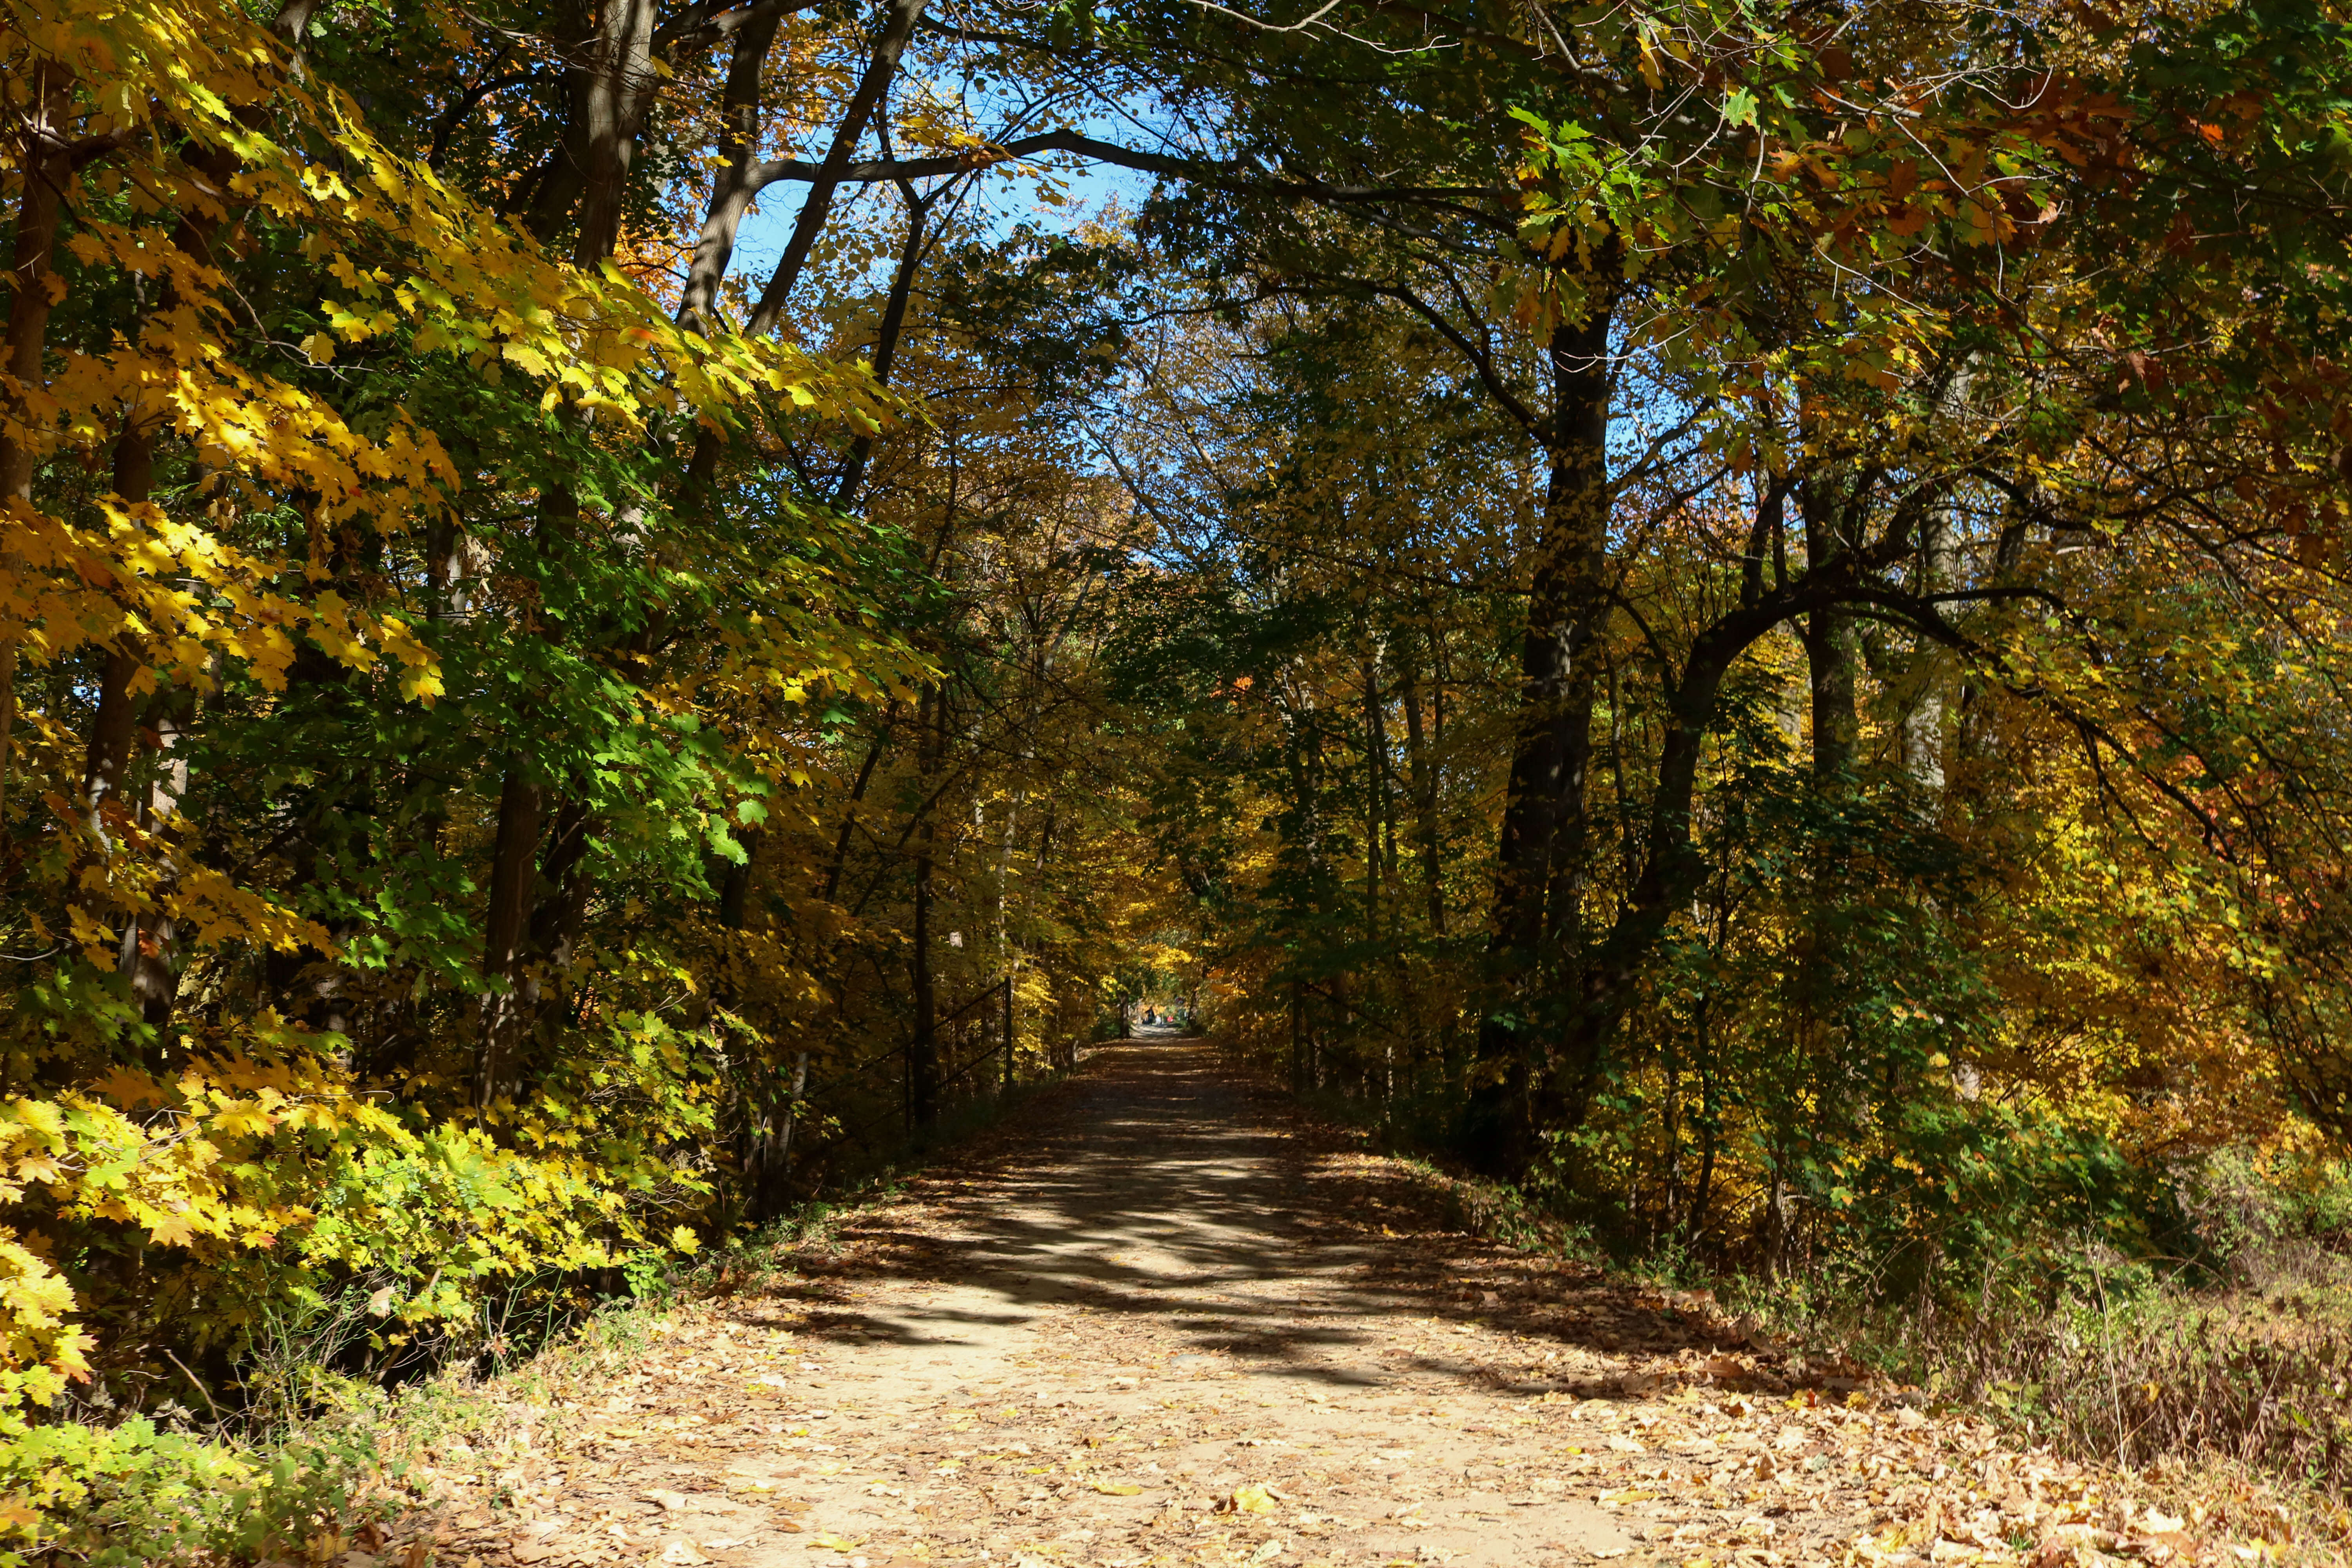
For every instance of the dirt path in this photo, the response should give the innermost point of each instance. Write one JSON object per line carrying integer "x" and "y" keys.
{"x": 1161, "y": 1320}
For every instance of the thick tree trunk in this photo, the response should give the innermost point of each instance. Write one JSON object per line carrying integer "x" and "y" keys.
{"x": 548, "y": 198}
{"x": 1831, "y": 651}
{"x": 1832, "y": 658}
{"x": 614, "y": 89}
{"x": 732, "y": 193}
{"x": 1007, "y": 961}
{"x": 506, "y": 925}
{"x": 107, "y": 756}
{"x": 556, "y": 920}
{"x": 1831, "y": 655}
{"x": 46, "y": 164}
{"x": 1375, "y": 797}
{"x": 1541, "y": 857}
{"x": 38, "y": 217}
{"x": 735, "y": 883}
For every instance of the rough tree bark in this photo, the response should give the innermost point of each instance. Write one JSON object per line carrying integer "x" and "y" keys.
{"x": 1537, "y": 928}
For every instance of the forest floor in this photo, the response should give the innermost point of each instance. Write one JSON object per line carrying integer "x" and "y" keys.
{"x": 1165, "y": 1319}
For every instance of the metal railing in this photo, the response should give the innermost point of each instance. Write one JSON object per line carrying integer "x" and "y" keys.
{"x": 951, "y": 1035}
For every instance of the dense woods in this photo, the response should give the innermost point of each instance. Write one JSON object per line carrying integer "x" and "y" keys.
{"x": 1732, "y": 613}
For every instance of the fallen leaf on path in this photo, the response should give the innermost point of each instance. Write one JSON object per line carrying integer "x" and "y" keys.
{"x": 1248, "y": 1500}
{"x": 1119, "y": 1488}
{"x": 670, "y": 1501}
{"x": 682, "y": 1552}
{"x": 829, "y": 1543}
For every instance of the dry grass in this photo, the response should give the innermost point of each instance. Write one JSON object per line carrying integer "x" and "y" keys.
{"x": 2260, "y": 1376}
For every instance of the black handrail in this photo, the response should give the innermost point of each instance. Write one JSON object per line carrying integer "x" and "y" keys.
{"x": 952, "y": 1017}
{"x": 973, "y": 1063}
{"x": 900, "y": 1050}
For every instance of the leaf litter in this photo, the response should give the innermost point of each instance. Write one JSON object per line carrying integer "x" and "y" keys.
{"x": 1166, "y": 1322}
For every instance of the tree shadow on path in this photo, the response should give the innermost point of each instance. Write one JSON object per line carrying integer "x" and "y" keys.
{"x": 1162, "y": 1188}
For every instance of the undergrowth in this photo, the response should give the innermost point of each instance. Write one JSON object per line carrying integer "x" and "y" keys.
{"x": 303, "y": 1460}
{"x": 2234, "y": 1348}
{"x": 2224, "y": 1348}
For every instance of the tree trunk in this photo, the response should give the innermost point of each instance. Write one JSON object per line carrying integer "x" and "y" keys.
{"x": 556, "y": 920}
{"x": 1007, "y": 960}
{"x": 922, "y": 1049}
{"x": 1671, "y": 877}
{"x": 1301, "y": 1070}
{"x": 1830, "y": 648}
{"x": 849, "y": 813}
{"x": 734, "y": 189}
{"x": 1923, "y": 724}
{"x": 1832, "y": 653}
{"x": 614, "y": 92}
{"x": 108, "y": 755}
{"x": 148, "y": 957}
{"x": 886, "y": 341}
{"x": 505, "y": 927}
{"x": 546, "y": 200}
{"x": 1421, "y": 778}
{"x": 898, "y": 27}
{"x": 1375, "y": 770}
{"x": 38, "y": 216}
{"x": 1542, "y": 851}
{"x": 775, "y": 1157}
{"x": 154, "y": 973}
